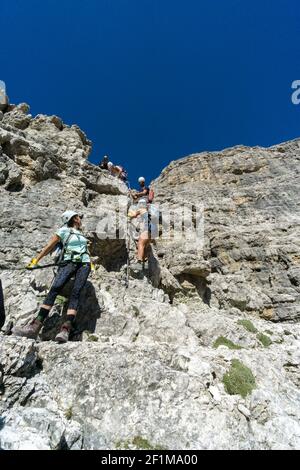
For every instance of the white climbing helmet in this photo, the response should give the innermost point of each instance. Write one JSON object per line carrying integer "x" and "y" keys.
{"x": 67, "y": 216}
{"x": 142, "y": 203}
{"x": 110, "y": 164}
{"x": 141, "y": 179}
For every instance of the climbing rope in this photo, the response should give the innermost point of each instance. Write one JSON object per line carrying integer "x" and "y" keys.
{"x": 128, "y": 238}
{"x": 24, "y": 268}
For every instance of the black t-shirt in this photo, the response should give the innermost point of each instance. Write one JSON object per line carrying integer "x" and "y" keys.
{"x": 103, "y": 164}
{"x": 143, "y": 189}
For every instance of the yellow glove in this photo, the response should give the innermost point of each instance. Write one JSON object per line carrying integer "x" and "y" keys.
{"x": 130, "y": 215}
{"x": 93, "y": 268}
{"x": 33, "y": 263}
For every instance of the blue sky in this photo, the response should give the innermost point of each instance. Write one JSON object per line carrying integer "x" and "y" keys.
{"x": 150, "y": 81}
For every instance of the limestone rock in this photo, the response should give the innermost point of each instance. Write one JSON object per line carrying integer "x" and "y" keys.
{"x": 148, "y": 361}
{"x": 251, "y": 226}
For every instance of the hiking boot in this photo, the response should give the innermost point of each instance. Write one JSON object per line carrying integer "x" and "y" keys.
{"x": 63, "y": 335}
{"x": 30, "y": 331}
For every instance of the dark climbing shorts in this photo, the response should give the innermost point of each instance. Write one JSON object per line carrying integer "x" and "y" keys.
{"x": 151, "y": 229}
{"x": 81, "y": 272}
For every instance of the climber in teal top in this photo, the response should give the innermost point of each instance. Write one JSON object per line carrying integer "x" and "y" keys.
{"x": 76, "y": 249}
{"x": 75, "y": 261}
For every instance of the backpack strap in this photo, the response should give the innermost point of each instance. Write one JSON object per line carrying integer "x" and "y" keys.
{"x": 65, "y": 244}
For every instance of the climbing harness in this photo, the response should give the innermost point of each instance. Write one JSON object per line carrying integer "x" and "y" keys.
{"x": 75, "y": 256}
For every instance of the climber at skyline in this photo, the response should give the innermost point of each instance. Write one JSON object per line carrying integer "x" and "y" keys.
{"x": 104, "y": 163}
{"x": 114, "y": 170}
{"x": 117, "y": 170}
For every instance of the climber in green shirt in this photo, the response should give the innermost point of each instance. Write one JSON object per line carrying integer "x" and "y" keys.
{"x": 75, "y": 261}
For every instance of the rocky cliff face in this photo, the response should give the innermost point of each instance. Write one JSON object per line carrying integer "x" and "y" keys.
{"x": 251, "y": 217}
{"x": 199, "y": 352}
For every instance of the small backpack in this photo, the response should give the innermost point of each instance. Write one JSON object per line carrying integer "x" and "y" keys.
{"x": 60, "y": 248}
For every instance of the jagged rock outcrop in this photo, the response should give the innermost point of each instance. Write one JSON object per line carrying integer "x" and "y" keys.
{"x": 165, "y": 362}
{"x": 250, "y": 199}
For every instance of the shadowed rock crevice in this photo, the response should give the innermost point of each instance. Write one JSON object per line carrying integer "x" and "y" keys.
{"x": 195, "y": 286}
{"x": 15, "y": 186}
{"x": 62, "y": 445}
{"x": 2, "y": 424}
{"x": 112, "y": 254}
